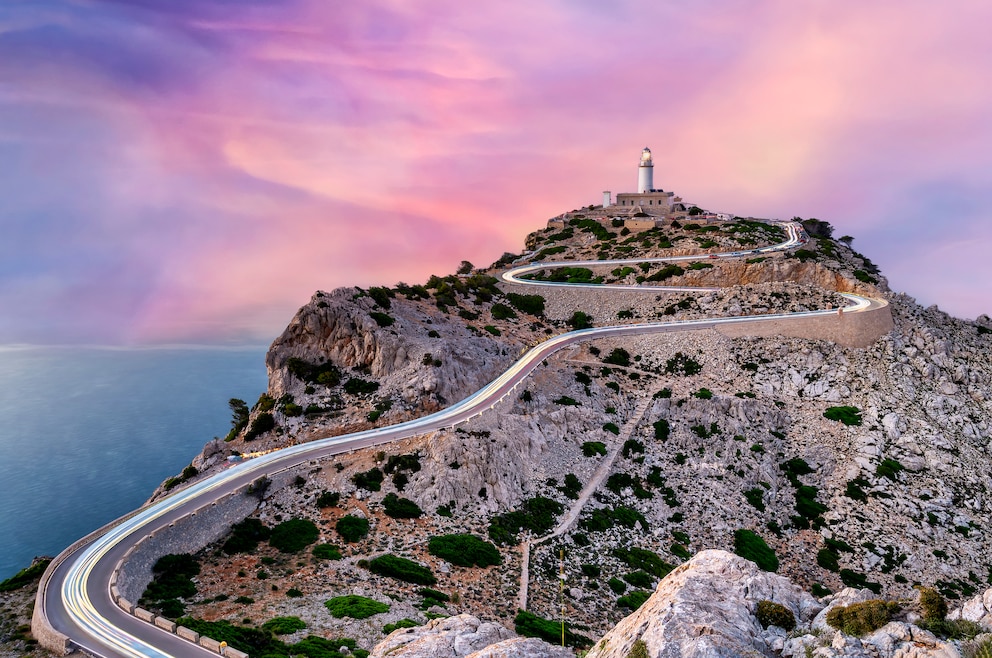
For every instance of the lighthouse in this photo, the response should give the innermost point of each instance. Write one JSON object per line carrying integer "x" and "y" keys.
{"x": 645, "y": 172}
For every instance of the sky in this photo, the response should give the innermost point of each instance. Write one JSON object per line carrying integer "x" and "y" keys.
{"x": 193, "y": 170}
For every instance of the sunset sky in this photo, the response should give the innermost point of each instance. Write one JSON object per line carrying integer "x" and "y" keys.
{"x": 192, "y": 170}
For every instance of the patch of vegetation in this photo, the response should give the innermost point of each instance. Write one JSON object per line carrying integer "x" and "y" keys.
{"x": 401, "y": 623}
{"x": 755, "y": 497}
{"x": 401, "y": 508}
{"x": 703, "y": 394}
{"x": 535, "y": 514}
{"x": 172, "y": 580}
{"x": 382, "y": 319}
{"x": 889, "y": 468}
{"x": 580, "y": 320}
{"x": 530, "y": 625}
{"x": 644, "y": 560}
{"x": 810, "y": 511}
{"x": 293, "y": 536}
{"x": 618, "y": 357}
{"x": 662, "y": 429}
{"x": 355, "y": 607}
{"x": 639, "y": 579}
{"x": 845, "y": 414}
{"x": 855, "y": 489}
{"x": 464, "y": 550}
{"x": 25, "y": 576}
{"x": 566, "y": 401}
{"x": 770, "y": 613}
{"x": 531, "y": 304}
{"x": 239, "y": 417}
{"x": 328, "y": 499}
{"x": 859, "y": 619}
{"x": 633, "y": 600}
{"x": 593, "y": 448}
{"x": 263, "y": 423}
{"x": 284, "y": 625}
{"x": 750, "y": 546}
{"x": 370, "y": 480}
{"x": 352, "y": 528}
{"x": 327, "y": 552}
{"x": 680, "y": 364}
{"x": 631, "y": 446}
{"x": 245, "y": 536}
{"x": 401, "y": 568}
{"x": 858, "y": 580}
{"x": 358, "y": 386}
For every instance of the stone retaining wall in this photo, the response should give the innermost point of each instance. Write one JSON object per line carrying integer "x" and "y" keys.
{"x": 848, "y": 329}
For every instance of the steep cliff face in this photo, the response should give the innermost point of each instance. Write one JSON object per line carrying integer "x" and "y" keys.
{"x": 348, "y": 330}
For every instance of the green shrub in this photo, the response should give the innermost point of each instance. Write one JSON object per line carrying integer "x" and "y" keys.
{"x": 464, "y": 550}
{"x": 358, "y": 386}
{"x": 352, "y": 528}
{"x": 750, "y": 546}
{"x": 535, "y": 514}
{"x": 580, "y": 320}
{"x": 638, "y": 650}
{"x": 591, "y": 570}
{"x": 634, "y": 600}
{"x": 327, "y": 552}
{"x": 293, "y": 535}
{"x": 370, "y": 480}
{"x": 680, "y": 364}
{"x": 401, "y": 508}
{"x": 530, "y": 625}
{"x": 755, "y": 496}
{"x": 770, "y": 613}
{"x": 25, "y": 576}
{"x": 889, "y": 468}
{"x": 532, "y": 304}
{"x": 678, "y": 550}
{"x": 644, "y": 560}
{"x": 171, "y": 580}
{"x": 328, "y": 499}
{"x": 284, "y": 625}
{"x": 566, "y": 401}
{"x": 612, "y": 428}
{"x": 639, "y": 579}
{"x": 382, "y": 319}
{"x": 828, "y": 559}
{"x": 263, "y": 423}
{"x": 703, "y": 394}
{"x": 492, "y": 330}
{"x": 662, "y": 430}
{"x": 401, "y": 568}
{"x": 859, "y": 581}
{"x": 933, "y": 606}
{"x": 355, "y": 607}
{"x": 844, "y": 414}
{"x": 245, "y": 536}
{"x": 593, "y": 448}
{"x": 401, "y": 623}
{"x": 618, "y": 357}
{"x": 859, "y": 618}
{"x": 502, "y": 312}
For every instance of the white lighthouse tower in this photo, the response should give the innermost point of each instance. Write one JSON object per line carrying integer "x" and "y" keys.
{"x": 645, "y": 172}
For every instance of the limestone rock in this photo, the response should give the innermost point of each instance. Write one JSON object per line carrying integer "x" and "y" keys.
{"x": 462, "y": 635}
{"x": 706, "y": 608}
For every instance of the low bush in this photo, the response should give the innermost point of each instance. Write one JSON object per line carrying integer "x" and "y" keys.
{"x": 370, "y": 480}
{"x": 593, "y": 448}
{"x": 25, "y": 576}
{"x": 681, "y": 364}
{"x": 327, "y": 552}
{"x": 358, "y": 386}
{"x": 845, "y": 414}
{"x": 662, "y": 429}
{"x": 639, "y": 579}
{"x": 644, "y": 560}
{"x": 263, "y": 423}
{"x": 618, "y": 357}
{"x": 889, "y": 468}
{"x": 634, "y": 600}
{"x": 352, "y": 528}
{"x": 530, "y": 625}
{"x": 464, "y": 550}
{"x": 245, "y": 536}
{"x": 401, "y": 508}
{"x": 858, "y": 580}
{"x": 293, "y": 535}
{"x": 284, "y": 625}
{"x": 502, "y": 312}
{"x": 401, "y": 623}
{"x": 535, "y": 514}
{"x": 354, "y": 606}
{"x": 860, "y": 618}
{"x": 400, "y": 568}
{"x": 532, "y": 304}
{"x": 328, "y": 499}
{"x": 770, "y": 613}
{"x": 750, "y": 546}
{"x": 382, "y": 319}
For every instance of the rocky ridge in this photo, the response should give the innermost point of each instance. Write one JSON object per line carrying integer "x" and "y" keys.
{"x": 715, "y": 451}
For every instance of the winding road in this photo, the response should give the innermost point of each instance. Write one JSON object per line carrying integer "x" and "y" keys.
{"x": 75, "y": 595}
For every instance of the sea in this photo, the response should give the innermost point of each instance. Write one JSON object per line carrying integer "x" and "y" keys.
{"x": 87, "y": 433}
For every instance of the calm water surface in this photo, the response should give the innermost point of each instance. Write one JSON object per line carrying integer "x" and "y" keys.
{"x": 86, "y": 434}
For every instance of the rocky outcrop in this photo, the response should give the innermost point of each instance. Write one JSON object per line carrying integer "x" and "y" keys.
{"x": 977, "y": 609}
{"x": 707, "y": 607}
{"x": 463, "y": 635}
